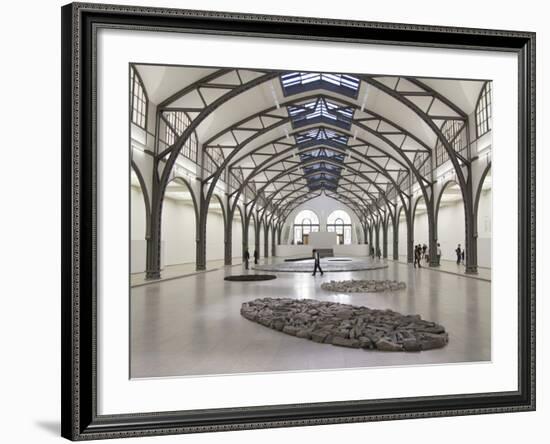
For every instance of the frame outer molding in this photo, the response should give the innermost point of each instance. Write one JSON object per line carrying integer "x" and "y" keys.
{"x": 78, "y": 282}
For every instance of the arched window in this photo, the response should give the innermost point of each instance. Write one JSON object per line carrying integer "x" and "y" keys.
{"x": 305, "y": 222}
{"x": 138, "y": 98}
{"x": 483, "y": 111}
{"x": 339, "y": 222}
{"x": 175, "y": 124}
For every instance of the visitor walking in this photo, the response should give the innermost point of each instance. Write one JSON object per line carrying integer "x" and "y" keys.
{"x": 417, "y": 256}
{"x": 246, "y": 259}
{"x": 317, "y": 262}
{"x": 424, "y": 255}
{"x": 256, "y": 257}
{"x": 458, "y": 252}
{"x": 438, "y": 254}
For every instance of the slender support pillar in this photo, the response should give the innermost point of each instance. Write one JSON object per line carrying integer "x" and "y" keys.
{"x": 266, "y": 242}
{"x": 228, "y": 239}
{"x": 257, "y": 238}
{"x": 152, "y": 260}
{"x": 432, "y": 234}
{"x": 201, "y": 241}
{"x": 377, "y": 239}
{"x": 395, "y": 242}
{"x": 471, "y": 230}
{"x": 370, "y": 237}
{"x": 410, "y": 237}
{"x": 385, "y": 241}
{"x": 273, "y": 242}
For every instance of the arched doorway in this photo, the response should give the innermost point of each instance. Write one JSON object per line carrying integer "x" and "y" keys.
{"x": 420, "y": 223}
{"x": 215, "y": 230}
{"x": 484, "y": 205}
{"x": 179, "y": 218}
{"x": 139, "y": 215}
{"x": 339, "y": 222}
{"x": 305, "y": 223}
{"x": 237, "y": 236}
{"x": 252, "y": 235}
{"x": 402, "y": 232}
{"x": 449, "y": 214}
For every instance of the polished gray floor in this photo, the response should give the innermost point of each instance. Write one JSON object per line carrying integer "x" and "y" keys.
{"x": 192, "y": 325}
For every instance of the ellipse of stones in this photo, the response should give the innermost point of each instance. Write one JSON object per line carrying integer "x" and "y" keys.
{"x": 363, "y": 286}
{"x": 346, "y": 325}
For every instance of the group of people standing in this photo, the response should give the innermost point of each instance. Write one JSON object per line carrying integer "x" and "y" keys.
{"x": 372, "y": 252}
{"x": 247, "y": 258}
{"x": 459, "y": 255}
{"x": 421, "y": 252}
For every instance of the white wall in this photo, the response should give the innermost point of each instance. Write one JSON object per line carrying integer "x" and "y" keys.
{"x": 484, "y": 229}
{"x": 178, "y": 231}
{"x": 237, "y": 236}
{"x": 322, "y": 206}
{"x": 262, "y": 246}
{"x": 451, "y": 230}
{"x": 214, "y": 236}
{"x": 138, "y": 245}
{"x": 251, "y": 237}
{"x": 402, "y": 230}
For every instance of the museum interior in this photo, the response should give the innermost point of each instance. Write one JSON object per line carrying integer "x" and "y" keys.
{"x": 283, "y": 220}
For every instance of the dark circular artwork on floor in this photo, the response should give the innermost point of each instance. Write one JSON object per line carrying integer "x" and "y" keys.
{"x": 346, "y": 325}
{"x": 250, "y": 277}
{"x": 339, "y": 260}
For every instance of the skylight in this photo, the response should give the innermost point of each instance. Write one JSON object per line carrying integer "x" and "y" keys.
{"x": 324, "y": 135}
{"x": 297, "y": 82}
{"x": 320, "y": 110}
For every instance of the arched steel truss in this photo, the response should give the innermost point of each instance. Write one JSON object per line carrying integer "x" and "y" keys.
{"x": 398, "y": 147}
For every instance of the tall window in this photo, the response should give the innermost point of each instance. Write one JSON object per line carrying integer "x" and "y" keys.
{"x": 339, "y": 222}
{"x": 305, "y": 222}
{"x": 483, "y": 111}
{"x": 138, "y": 100}
{"x": 176, "y": 124}
{"x": 455, "y": 132}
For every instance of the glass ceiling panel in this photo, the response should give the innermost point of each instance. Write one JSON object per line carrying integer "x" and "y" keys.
{"x": 320, "y": 110}
{"x": 297, "y": 82}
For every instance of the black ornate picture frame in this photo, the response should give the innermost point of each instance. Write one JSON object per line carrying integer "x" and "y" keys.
{"x": 80, "y": 419}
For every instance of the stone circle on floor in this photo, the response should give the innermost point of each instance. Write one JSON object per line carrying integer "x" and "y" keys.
{"x": 327, "y": 265}
{"x": 250, "y": 277}
{"x": 346, "y": 325}
{"x": 363, "y": 286}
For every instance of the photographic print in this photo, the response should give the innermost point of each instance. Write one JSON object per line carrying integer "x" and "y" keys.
{"x": 275, "y": 221}
{"x": 290, "y": 220}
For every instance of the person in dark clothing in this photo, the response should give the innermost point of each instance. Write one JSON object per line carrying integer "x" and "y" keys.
{"x": 458, "y": 252}
{"x": 256, "y": 257}
{"x": 317, "y": 262}
{"x": 417, "y": 256}
{"x": 462, "y": 255}
{"x": 246, "y": 259}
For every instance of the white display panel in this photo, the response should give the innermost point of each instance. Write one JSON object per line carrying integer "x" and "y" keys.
{"x": 117, "y": 394}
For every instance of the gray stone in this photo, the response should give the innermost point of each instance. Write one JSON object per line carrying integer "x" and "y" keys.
{"x": 385, "y": 344}
{"x": 319, "y": 336}
{"x": 346, "y": 325}
{"x": 289, "y": 330}
{"x": 353, "y": 343}
{"x": 362, "y": 286}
